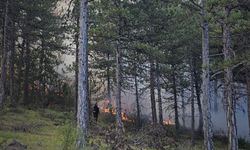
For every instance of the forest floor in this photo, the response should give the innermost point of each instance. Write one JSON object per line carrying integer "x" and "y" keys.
{"x": 45, "y": 129}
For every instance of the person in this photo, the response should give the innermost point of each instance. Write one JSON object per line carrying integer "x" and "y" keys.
{"x": 96, "y": 112}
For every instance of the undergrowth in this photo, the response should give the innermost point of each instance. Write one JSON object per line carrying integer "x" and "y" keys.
{"x": 46, "y": 129}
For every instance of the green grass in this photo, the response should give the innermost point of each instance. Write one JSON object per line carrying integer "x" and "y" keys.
{"x": 42, "y": 129}
{"x": 32, "y": 129}
{"x": 46, "y": 129}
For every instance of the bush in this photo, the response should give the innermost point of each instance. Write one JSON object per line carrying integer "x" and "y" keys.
{"x": 69, "y": 136}
{"x": 243, "y": 144}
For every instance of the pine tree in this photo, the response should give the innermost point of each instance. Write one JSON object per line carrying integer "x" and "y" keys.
{"x": 4, "y": 54}
{"x": 82, "y": 110}
{"x": 207, "y": 126}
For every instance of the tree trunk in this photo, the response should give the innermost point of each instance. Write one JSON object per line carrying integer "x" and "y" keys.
{"x": 89, "y": 92}
{"x": 77, "y": 62}
{"x": 248, "y": 92}
{"x": 228, "y": 77}
{"x": 26, "y": 60}
{"x": 177, "y": 124}
{"x": 159, "y": 95}
{"x": 108, "y": 80}
{"x": 207, "y": 123}
{"x": 215, "y": 96}
{"x": 198, "y": 94}
{"x": 12, "y": 57}
{"x": 183, "y": 108}
{"x": 42, "y": 69}
{"x": 118, "y": 89}
{"x": 4, "y": 55}
{"x": 20, "y": 67}
{"x": 138, "y": 110}
{"x": 83, "y": 108}
{"x": 118, "y": 69}
{"x": 26, "y": 72}
{"x": 192, "y": 101}
{"x": 152, "y": 92}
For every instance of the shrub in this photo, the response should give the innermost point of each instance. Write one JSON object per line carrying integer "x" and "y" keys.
{"x": 69, "y": 136}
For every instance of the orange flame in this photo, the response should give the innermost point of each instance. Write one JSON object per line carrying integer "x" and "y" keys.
{"x": 112, "y": 111}
{"x": 105, "y": 110}
{"x": 125, "y": 117}
{"x": 168, "y": 122}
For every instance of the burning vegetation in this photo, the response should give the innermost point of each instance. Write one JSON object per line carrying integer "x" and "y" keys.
{"x": 168, "y": 122}
{"x": 107, "y": 106}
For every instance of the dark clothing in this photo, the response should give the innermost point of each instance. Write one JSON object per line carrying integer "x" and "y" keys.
{"x": 96, "y": 112}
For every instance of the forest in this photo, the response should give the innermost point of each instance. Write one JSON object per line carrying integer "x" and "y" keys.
{"x": 124, "y": 74}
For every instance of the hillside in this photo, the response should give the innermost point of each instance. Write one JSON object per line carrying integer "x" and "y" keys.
{"x": 54, "y": 130}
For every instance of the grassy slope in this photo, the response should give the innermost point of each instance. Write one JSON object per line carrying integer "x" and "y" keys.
{"x": 39, "y": 130}
{"x": 52, "y": 130}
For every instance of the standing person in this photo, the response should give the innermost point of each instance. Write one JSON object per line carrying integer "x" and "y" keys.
{"x": 96, "y": 112}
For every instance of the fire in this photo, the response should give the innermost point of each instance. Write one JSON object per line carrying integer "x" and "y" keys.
{"x": 168, "y": 122}
{"x": 106, "y": 108}
{"x": 113, "y": 112}
{"x": 125, "y": 117}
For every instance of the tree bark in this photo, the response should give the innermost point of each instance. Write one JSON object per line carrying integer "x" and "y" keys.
{"x": 41, "y": 70}
{"x": 26, "y": 72}
{"x": 183, "y": 108}
{"x": 159, "y": 95}
{"x": 118, "y": 90}
{"x": 177, "y": 124}
{"x": 4, "y": 55}
{"x": 228, "y": 77}
{"x": 118, "y": 69}
{"x": 26, "y": 59}
{"x": 12, "y": 57}
{"x": 207, "y": 123}
{"x": 20, "y": 66}
{"x": 215, "y": 96}
{"x": 198, "y": 94}
{"x": 192, "y": 101}
{"x": 108, "y": 80}
{"x": 138, "y": 109}
{"x": 83, "y": 108}
{"x": 152, "y": 92}
{"x": 77, "y": 62}
{"x": 248, "y": 92}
